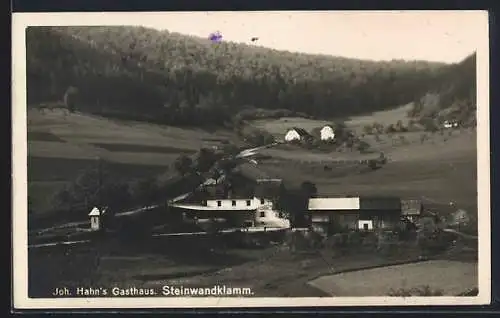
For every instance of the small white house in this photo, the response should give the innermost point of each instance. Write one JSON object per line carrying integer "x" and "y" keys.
{"x": 96, "y": 218}
{"x": 327, "y": 133}
{"x": 296, "y": 134}
{"x": 450, "y": 124}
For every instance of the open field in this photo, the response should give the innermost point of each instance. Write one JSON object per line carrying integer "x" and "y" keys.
{"x": 450, "y": 277}
{"x": 84, "y": 136}
{"x": 108, "y": 263}
{"x": 61, "y": 146}
{"x": 385, "y": 118}
{"x": 439, "y": 172}
{"x": 278, "y": 127}
{"x": 442, "y": 168}
{"x": 286, "y": 274}
{"x": 269, "y": 272}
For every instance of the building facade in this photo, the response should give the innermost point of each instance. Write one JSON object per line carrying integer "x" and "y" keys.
{"x": 355, "y": 213}
{"x": 252, "y": 212}
{"x": 411, "y": 209}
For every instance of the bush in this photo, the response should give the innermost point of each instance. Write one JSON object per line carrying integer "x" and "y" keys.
{"x": 390, "y": 129}
{"x": 416, "y": 291}
{"x": 363, "y": 146}
{"x": 183, "y": 164}
{"x": 429, "y": 124}
{"x": 434, "y": 242}
{"x": 368, "y": 129}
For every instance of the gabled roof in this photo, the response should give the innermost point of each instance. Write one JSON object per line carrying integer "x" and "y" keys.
{"x": 331, "y": 204}
{"x": 96, "y": 212}
{"x": 301, "y": 131}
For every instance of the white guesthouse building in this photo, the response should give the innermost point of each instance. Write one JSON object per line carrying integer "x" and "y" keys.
{"x": 261, "y": 209}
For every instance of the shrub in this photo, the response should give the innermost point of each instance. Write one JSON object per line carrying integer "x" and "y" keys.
{"x": 416, "y": 291}
{"x": 368, "y": 129}
{"x": 390, "y": 129}
{"x": 429, "y": 124}
{"x": 363, "y": 146}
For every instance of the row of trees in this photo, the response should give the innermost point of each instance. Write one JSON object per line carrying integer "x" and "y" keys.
{"x": 142, "y": 73}
{"x": 87, "y": 191}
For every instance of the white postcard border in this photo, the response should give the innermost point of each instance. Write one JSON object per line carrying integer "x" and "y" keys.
{"x": 19, "y": 163}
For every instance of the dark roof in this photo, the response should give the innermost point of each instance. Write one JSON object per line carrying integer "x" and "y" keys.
{"x": 380, "y": 203}
{"x": 301, "y": 131}
{"x": 411, "y": 206}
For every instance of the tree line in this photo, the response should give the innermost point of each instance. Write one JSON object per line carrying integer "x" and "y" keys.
{"x": 141, "y": 73}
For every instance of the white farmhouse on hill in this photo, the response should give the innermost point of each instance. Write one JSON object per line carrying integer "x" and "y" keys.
{"x": 450, "y": 124}
{"x": 296, "y": 134}
{"x": 327, "y": 133}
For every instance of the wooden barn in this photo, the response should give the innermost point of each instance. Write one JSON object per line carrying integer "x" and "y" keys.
{"x": 355, "y": 213}
{"x": 411, "y": 209}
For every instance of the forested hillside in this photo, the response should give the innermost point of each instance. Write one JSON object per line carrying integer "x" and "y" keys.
{"x": 142, "y": 73}
{"x": 454, "y": 98}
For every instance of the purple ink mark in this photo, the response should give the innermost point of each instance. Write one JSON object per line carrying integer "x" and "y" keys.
{"x": 215, "y": 37}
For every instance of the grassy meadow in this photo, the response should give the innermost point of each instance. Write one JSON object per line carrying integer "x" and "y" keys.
{"x": 278, "y": 127}
{"x": 61, "y": 146}
{"x": 440, "y": 170}
{"x": 451, "y": 278}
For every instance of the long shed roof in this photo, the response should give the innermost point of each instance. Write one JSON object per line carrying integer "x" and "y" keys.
{"x": 334, "y": 203}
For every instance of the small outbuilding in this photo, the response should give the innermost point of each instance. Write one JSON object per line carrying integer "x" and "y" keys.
{"x": 411, "y": 209}
{"x": 97, "y": 218}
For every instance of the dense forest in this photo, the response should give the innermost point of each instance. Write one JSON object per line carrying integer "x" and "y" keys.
{"x": 141, "y": 73}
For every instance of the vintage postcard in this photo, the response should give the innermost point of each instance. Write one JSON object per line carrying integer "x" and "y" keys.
{"x": 250, "y": 159}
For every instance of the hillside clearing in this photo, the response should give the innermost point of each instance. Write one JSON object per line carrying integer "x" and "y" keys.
{"x": 278, "y": 127}
{"x": 61, "y": 146}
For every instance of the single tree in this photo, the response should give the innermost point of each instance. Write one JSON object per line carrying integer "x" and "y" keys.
{"x": 183, "y": 164}
{"x": 363, "y": 146}
{"x": 70, "y": 98}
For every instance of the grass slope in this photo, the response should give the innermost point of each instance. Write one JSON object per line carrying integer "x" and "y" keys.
{"x": 443, "y": 169}
{"x": 278, "y": 127}
{"x": 61, "y": 146}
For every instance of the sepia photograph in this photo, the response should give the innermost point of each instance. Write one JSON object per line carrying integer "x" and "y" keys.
{"x": 255, "y": 159}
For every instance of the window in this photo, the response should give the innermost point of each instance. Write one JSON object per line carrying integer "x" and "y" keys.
{"x": 262, "y": 201}
{"x": 248, "y": 202}
{"x": 219, "y": 203}
{"x": 365, "y": 227}
{"x": 262, "y": 214}
{"x": 233, "y": 203}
